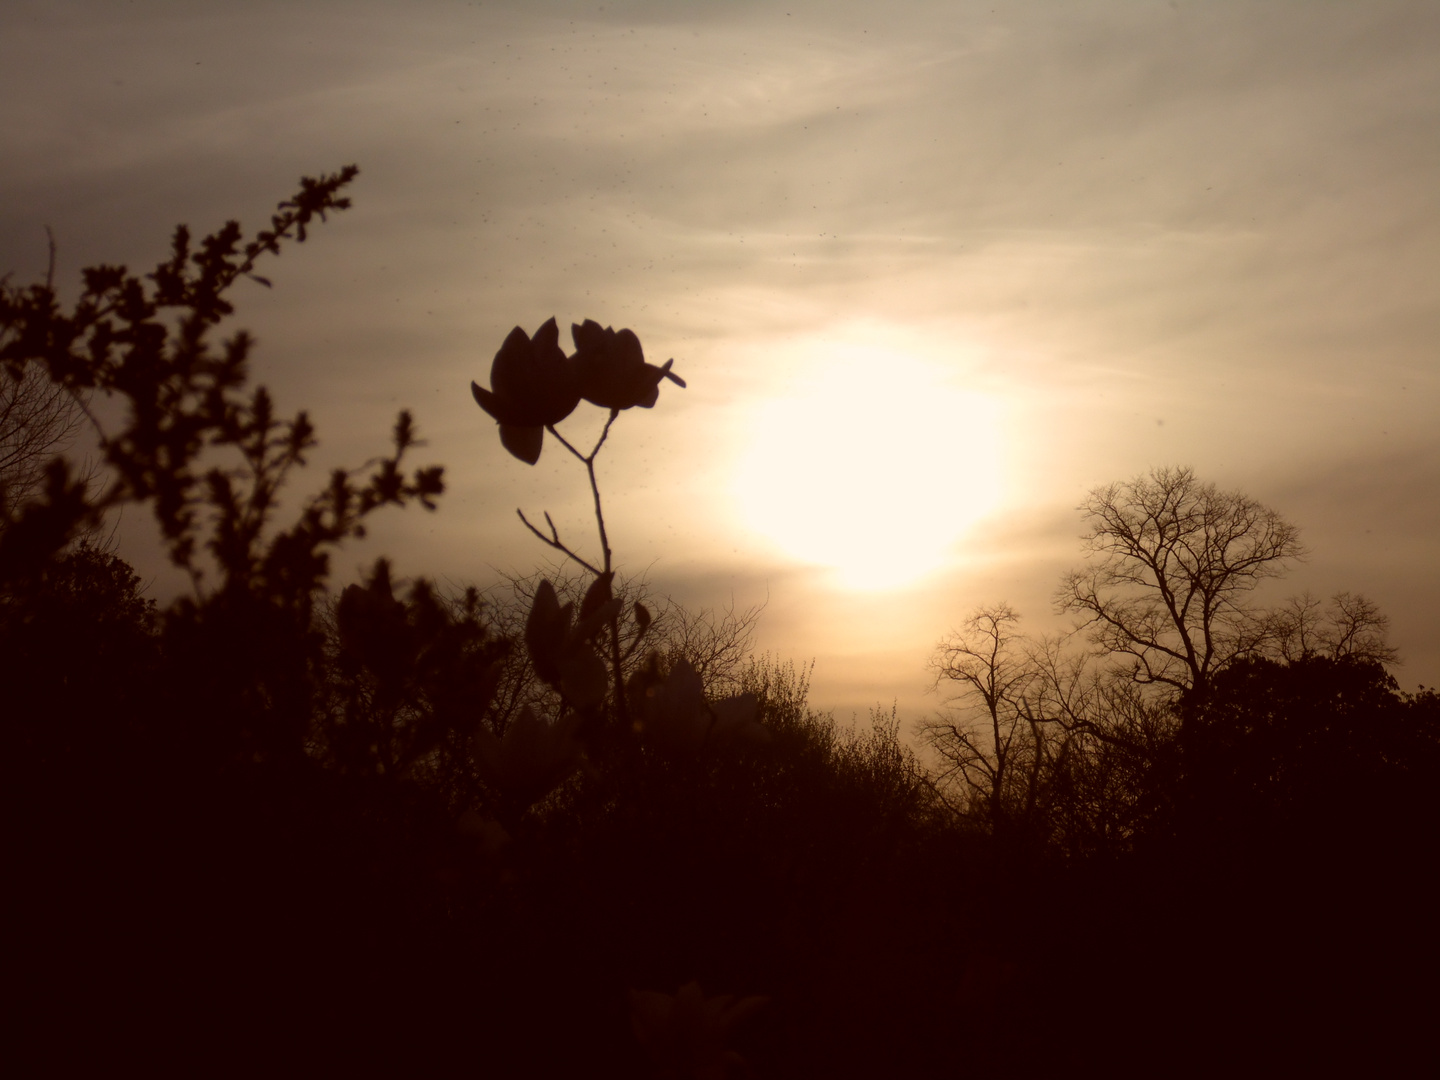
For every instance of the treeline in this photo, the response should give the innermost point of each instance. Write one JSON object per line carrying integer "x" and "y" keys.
{"x": 560, "y": 828}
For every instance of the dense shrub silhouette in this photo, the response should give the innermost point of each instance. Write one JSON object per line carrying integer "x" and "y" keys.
{"x": 77, "y": 641}
{"x": 1318, "y": 746}
{"x": 260, "y": 816}
{"x": 1280, "y": 896}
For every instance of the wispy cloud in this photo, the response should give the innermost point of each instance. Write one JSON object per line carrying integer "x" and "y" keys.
{"x": 1152, "y": 231}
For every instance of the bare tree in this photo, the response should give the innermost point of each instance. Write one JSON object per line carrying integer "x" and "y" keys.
{"x": 717, "y": 642}
{"x": 1176, "y": 561}
{"x": 1350, "y": 626}
{"x": 1099, "y": 788}
{"x": 1080, "y": 744}
{"x": 40, "y": 418}
{"x": 990, "y": 737}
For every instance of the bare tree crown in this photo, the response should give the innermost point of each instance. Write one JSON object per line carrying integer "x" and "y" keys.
{"x": 1173, "y": 563}
{"x": 38, "y": 420}
{"x": 989, "y": 738}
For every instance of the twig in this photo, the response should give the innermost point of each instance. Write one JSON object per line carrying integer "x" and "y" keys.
{"x": 50, "y": 266}
{"x": 588, "y": 460}
{"x": 555, "y": 542}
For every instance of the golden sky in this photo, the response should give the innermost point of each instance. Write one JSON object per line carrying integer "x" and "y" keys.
{"x": 930, "y": 275}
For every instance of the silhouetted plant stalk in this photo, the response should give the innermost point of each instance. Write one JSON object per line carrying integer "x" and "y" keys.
{"x": 534, "y": 387}
{"x": 605, "y": 572}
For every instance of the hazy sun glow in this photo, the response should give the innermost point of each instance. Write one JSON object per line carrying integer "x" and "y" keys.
{"x": 874, "y": 465}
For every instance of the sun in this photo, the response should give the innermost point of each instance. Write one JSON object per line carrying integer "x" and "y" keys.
{"x": 874, "y": 466}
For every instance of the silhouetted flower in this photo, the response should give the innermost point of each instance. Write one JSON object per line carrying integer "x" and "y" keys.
{"x": 372, "y": 626}
{"x": 533, "y": 386}
{"x": 685, "y": 1033}
{"x": 532, "y": 760}
{"x": 610, "y": 368}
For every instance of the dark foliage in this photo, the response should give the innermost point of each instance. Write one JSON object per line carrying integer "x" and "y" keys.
{"x": 275, "y": 828}
{"x": 1280, "y": 903}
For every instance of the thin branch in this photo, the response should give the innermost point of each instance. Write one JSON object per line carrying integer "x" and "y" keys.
{"x": 555, "y": 542}
{"x": 588, "y": 460}
{"x": 566, "y": 442}
{"x": 50, "y": 265}
{"x": 621, "y": 709}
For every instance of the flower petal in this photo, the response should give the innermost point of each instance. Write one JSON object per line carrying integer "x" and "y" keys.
{"x": 523, "y": 442}
{"x": 510, "y": 369}
{"x": 545, "y": 629}
{"x": 610, "y": 368}
{"x": 533, "y": 379}
{"x": 493, "y": 405}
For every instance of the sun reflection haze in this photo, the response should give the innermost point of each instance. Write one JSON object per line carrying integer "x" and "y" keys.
{"x": 873, "y": 464}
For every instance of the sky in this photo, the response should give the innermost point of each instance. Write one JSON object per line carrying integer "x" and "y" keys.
{"x": 931, "y": 275}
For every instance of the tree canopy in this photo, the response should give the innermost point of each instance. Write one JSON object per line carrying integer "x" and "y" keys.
{"x": 1174, "y": 564}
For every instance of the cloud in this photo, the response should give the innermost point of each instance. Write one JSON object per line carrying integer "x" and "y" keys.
{"x": 1197, "y": 233}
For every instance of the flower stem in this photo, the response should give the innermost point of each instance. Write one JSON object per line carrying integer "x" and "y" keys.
{"x": 621, "y": 712}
